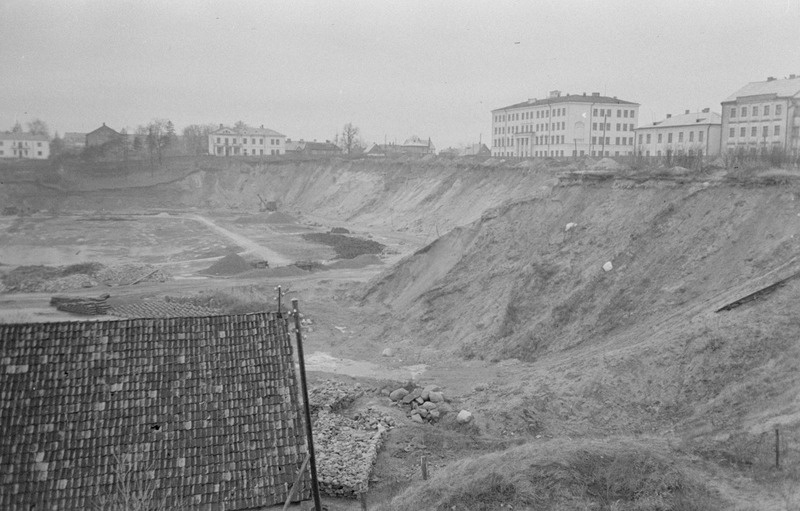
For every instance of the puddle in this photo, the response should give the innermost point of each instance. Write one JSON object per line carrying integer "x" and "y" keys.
{"x": 321, "y": 361}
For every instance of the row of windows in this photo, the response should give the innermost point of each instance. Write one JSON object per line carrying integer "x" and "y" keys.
{"x": 556, "y": 126}
{"x": 700, "y": 137}
{"x": 234, "y": 140}
{"x": 22, "y": 143}
{"x": 22, "y": 152}
{"x": 755, "y": 111}
{"x": 559, "y": 153}
{"x": 560, "y": 112}
{"x": 754, "y": 131}
{"x": 273, "y": 152}
{"x": 599, "y": 126}
{"x": 669, "y": 153}
{"x": 559, "y": 139}
{"x": 606, "y": 112}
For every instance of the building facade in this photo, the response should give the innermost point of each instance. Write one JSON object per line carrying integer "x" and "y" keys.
{"x": 692, "y": 134}
{"x": 24, "y": 146}
{"x": 246, "y": 141}
{"x": 762, "y": 116}
{"x": 568, "y": 125}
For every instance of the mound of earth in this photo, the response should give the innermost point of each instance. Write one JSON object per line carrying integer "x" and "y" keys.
{"x": 231, "y": 264}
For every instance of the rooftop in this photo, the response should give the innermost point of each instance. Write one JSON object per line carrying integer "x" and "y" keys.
{"x": 203, "y": 408}
{"x": 8, "y": 135}
{"x": 595, "y": 98}
{"x": 247, "y": 130}
{"x": 785, "y": 88}
{"x": 687, "y": 119}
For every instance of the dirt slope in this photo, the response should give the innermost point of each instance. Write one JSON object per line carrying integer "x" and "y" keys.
{"x": 635, "y": 348}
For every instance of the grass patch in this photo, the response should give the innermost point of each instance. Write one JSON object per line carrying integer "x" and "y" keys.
{"x": 346, "y": 247}
{"x": 563, "y": 475}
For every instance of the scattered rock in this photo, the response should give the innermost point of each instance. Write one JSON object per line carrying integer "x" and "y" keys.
{"x": 417, "y": 418}
{"x": 411, "y": 396}
{"x": 570, "y": 226}
{"x": 608, "y": 266}
{"x": 464, "y": 417}
{"x": 388, "y": 352}
{"x": 428, "y": 405}
{"x": 398, "y": 394}
{"x": 435, "y": 397}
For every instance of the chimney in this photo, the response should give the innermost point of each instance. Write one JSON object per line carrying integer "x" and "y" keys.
{"x": 770, "y": 78}
{"x": 706, "y": 110}
{"x": 555, "y": 93}
{"x": 687, "y": 112}
{"x": 262, "y": 126}
{"x": 584, "y": 93}
{"x": 669, "y": 115}
{"x": 220, "y": 125}
{"x": 596, "y": 94}
{"x": 792, "y": 77}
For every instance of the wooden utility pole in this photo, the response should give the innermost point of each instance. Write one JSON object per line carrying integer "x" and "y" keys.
{"x": 306, "y": 408}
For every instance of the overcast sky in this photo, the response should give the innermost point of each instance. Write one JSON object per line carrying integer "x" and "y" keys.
{"x": 431, "y": 68}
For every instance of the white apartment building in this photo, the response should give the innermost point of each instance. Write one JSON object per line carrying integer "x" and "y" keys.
{"x": 692, "y": 134}
{"x": 568, "y": 125}
{"x": 763, "y": 115}
{"x": 246, "y": 141}
{"x": 24, "y": 145}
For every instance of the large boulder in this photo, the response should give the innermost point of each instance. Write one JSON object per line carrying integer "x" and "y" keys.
{"x": 398, "y": 394}
{"x": 464, "y": 417}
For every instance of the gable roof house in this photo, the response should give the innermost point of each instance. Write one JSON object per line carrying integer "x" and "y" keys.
{"x": 102, "y": 135}
{"x": 24, "y": 145}
{"x": 246, "y": 141}
{"x": 202, "y": 410}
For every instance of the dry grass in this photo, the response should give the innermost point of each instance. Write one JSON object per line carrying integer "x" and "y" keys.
{"x": 564, "y": 475}
{"x": 235, "y": 300}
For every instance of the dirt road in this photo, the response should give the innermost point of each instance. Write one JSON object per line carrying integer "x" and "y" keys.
{"x": 274, "y": 258}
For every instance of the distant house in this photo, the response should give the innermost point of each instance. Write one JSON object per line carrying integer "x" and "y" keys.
{"x": 246, "y": 141}
{"x": 763, "y": 115}
{"x": 203, "y": 410}
{"x": 312, "y": 148}
{"x": 103, "y": 135}
{"x": 478, "y": 149}
{"x": 416, "y": 145}
{"x": 691, "y": 134}
{"x": 412, "y": 146}
{"x": 24, "y": 145}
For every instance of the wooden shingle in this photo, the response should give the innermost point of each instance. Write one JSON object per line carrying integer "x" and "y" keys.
{"x": 203, "y": 410}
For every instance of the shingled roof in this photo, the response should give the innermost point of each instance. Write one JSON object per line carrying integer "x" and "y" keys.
{"x": 205, "y": 407}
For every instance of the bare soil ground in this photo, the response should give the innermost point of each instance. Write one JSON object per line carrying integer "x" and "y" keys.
{"x": 636, "y": 354}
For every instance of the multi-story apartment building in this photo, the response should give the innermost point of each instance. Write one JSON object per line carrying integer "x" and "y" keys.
{"x": 246, "y": 141}
{"x": 763, "y": 115}
{"x": 24, "y": 145}
{"x": 692, "y": 134}
{"x": 568, "y": 125}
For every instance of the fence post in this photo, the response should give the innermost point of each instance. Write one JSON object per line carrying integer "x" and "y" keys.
{"x": 777, "y": 448}
{"x": 424, "y": 463}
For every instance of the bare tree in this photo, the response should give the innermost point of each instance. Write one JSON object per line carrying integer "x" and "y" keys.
{"x": 240, "y": 125}
{"x": 17, "y": 128}
{"x": 196, "y": 137}
{"x": 349, "y": 138}
{"x": 38, "y": 127}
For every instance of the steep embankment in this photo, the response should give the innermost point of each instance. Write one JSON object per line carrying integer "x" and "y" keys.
{"x": 637, "y": 347}
{"x": 428, "y": 196}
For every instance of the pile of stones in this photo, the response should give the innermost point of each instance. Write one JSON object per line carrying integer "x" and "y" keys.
{"x": 423, "y": 404}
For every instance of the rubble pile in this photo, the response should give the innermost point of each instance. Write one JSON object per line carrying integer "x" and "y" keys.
{"x": 422, "y": 404}
{"x": 346, "y": 449}
{"x": 332, "y": 395}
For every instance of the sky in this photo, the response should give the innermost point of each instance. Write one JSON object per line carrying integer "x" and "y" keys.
{"x": 392, "y": 68}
